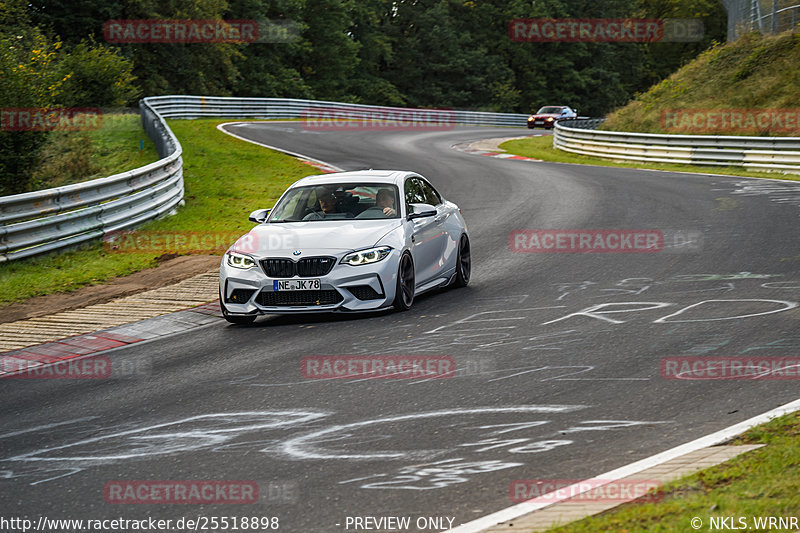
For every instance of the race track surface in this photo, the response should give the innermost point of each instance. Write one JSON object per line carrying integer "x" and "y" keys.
{"x": 541, "y": 393}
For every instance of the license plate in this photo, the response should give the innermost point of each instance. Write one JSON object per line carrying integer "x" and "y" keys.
{"x": 296, "y": 285}
{"x": 538, "y": 121}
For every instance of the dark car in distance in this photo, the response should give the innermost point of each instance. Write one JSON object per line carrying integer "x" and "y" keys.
{"x": 547, "y": 116}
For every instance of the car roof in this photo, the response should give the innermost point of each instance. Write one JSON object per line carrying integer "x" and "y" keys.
{"x": 395, "y": 177}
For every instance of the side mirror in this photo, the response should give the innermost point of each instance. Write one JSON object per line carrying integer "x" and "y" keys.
{"x": 259, "y": 215}
{"x": 420, "y": 211}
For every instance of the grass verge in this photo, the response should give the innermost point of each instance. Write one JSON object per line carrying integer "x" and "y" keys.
{"x": 224, "y": 178}
{"x": 71, "y": 157}
{"x": 542, "y": 148}
{"x": 761, "y": 483}
{"x": 752, "y": 74}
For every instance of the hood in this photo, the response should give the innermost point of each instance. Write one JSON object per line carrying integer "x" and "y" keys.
{"x": 546, "y": 115}
{"x": 281, "y": 239}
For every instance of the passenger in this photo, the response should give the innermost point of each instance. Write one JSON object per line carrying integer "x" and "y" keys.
{"x": 383, "y": 208}
{"x": 385, "y": 199}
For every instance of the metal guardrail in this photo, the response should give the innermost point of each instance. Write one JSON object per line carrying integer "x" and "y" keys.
{"x": 42, "y": 221}
{"x": 757, "y": 153}
{"x": 584, "y": 123}
{"x": 289, "y": 108}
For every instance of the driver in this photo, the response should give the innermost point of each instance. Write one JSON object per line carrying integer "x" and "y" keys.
{"x": 328, "y": 205}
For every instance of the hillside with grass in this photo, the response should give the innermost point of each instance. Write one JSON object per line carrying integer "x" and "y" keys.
{"x": 748, "y": 87}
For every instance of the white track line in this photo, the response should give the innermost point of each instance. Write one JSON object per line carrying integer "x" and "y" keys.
{"x": 293, "y": 154}
{"x": 515, "y": 511}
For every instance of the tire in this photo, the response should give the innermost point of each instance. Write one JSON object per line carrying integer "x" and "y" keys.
{"x": 242, "y": 320}
{"x": 404, "y": 292}
{"x": 463, "y": 263}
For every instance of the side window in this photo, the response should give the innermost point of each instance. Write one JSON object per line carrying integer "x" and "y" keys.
{"x": 311, "y": 199}
{"x": 414, "y": 192}
{"x": 431, "y": 196}
{"x": 291, "y": 207}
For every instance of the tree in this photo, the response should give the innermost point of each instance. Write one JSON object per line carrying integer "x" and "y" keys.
{"x": 374, "y": 28}
{"x": 329, "y": 55}
{"x": 270, "y": 67}
{"x": 667, "y": 57}
{"x": 29, "y": 78}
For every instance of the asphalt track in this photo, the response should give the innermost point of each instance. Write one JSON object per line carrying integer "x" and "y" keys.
{"x": 541, "y": 393}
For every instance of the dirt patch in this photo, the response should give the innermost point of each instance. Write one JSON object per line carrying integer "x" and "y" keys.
{"x": 168, "y": 271}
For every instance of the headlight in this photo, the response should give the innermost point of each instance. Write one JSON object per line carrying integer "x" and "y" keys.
{"x": 550, "y": 119}
{"x": 365, "y": 257}
{"x": 240, "y": 261}
{"x": 531, "y": 117}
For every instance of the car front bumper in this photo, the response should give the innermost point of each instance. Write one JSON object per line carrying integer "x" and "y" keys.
{"x": 345, "y": 288}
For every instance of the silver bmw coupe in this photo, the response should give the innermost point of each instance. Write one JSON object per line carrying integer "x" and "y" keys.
{"x": 349, "y": 241}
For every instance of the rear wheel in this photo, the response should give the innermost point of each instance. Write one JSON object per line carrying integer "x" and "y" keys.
{"x": 404, "y": 293}
{"x": 463, "y": 263}
{"x": 242, "y": 320}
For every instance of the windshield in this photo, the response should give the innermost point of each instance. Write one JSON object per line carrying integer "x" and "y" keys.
{"x": 550, "y": 111}
{"x": 365, "y": 201}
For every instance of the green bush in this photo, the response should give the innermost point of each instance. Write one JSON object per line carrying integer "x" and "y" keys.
{"x": 29, "y": 77}
{"x": 36, "y": 72}
{"x": 96, "y": 77}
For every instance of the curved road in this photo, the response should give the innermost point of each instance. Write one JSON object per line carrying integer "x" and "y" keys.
{"x": 542, "y": 392}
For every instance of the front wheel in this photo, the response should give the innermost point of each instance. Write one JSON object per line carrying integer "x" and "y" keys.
{"x": 463, "y": 263}
{"x": 404, "y": 293}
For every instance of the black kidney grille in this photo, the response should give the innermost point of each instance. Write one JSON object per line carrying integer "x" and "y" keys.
{"x": 278, "y": 268}
{"x": 305, "y": 268}
{"x": 298, "y": 298}
{"x": 315, "y": 266}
